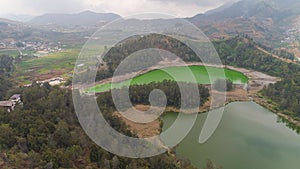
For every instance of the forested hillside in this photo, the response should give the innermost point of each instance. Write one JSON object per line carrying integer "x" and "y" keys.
{"x": 118, "y": 53}
{"x": 45, "y": 132}
{"x": 241, "y": 52}
{"x": 6, "y": 68}
{"x": 139, "y": 94}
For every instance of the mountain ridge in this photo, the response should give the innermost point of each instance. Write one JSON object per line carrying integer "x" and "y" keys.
{"x": 85, "y": 18}
{"x": 270, "y": 22}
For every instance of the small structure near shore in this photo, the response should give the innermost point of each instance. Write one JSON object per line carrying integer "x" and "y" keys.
{"x": 53, "y": 81}
{"x": 15, "y": 98}
{"x": 11, "y": 103}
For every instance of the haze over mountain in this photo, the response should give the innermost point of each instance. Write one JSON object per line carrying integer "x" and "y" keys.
{"x": 20, "y": 18}
{"x": 86, "y": 18}
{"x": 14, "y": 31}
{"x": 271, "y": 22}
{"x": 257, "y": 9}
{"x": 274, "y": 23}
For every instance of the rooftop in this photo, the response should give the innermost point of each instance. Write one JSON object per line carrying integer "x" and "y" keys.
{"x": 7, "y": 103}
{"x": 15, "y": 96}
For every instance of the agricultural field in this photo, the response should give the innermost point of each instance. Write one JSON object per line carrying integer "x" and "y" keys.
{"x": 10, "y": 52}
{"x": 15, "y": 52}
{"x": 54, "y": 64}
{"x": 202, "y": 75}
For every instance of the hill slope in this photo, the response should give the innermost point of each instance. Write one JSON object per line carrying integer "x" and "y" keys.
{"x": 86, "y": 18}
{"x": 271, "y": 22}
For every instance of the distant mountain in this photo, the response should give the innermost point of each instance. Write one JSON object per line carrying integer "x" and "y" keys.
{"x": 268, "y": 21}
{"x": 20, "y": 18}
{"x": 249, "y": 7}
{"x": 241, "y": 9}
{"x": 13, "y": 31}
{"x": 221, "y": 8}
{"x": 87, "y": 18}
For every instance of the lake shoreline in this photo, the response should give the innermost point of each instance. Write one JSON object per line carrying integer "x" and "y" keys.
{"x": 262, "y": 101}
{"x": 256, "y": 82}
{"x": 245, "y": 127}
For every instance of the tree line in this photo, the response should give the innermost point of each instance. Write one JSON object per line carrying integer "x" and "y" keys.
{"x": 6, "y": 68}
{"x": 118, "y": 53}
{"x": 44, "y": 132}
{"x": 241, "y": 52}
{"x": 139, "y": 94}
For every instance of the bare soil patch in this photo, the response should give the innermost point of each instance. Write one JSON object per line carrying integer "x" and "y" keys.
{"x": 142, "y": 130}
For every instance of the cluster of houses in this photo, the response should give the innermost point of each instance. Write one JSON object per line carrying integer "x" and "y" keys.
{"x": 41, "y": 48}
{"x": 11, "y": 103}
{"x": 290, "y": 35}
{"x": 16, "y": 98}
{"x": 52, "y": 82}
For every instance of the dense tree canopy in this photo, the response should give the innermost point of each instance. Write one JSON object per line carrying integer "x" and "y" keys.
{"x": 139, "y": 94}
{"x": 223, "y": 85}
{"x": 45, "y": 132}
{"x": 238, "y": 51}
{"x": 118, "y": 53}
{"x": 242, "y": 52}
{"x": 6, "y": 68}
{"x": 6, "y": 64}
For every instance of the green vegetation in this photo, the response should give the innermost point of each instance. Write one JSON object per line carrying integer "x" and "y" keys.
{"x": 285, "y": 94}
{"x": 60, "y": 63}
{"x": 139, "y": 94}
{"x": 15, "y": 52}
{"x": 6, "y": 68}
{"x": 45, "y": 132}
{"x": 6, "y": 64}
{"x": 117, "y": 54}
{"x": 12, "y": 52}
{"x": 286, "y": 54}
{"x": 239, "y": 52}
{"x": 223, "y": 85}
{"x": 202, "y": 75}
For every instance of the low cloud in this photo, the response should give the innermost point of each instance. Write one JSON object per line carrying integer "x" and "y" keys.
{"x": 178, "y": 8}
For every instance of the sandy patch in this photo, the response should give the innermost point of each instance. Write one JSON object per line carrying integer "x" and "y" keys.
{"x": 142, "y": 130}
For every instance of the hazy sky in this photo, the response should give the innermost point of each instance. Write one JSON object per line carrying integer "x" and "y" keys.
{"x": 179, "y": 8}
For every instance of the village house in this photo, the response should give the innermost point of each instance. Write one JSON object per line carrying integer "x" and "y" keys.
{"x": 11, "y": 103}
{"x": 16, "y": 98}
{"x": 53, "y": 81}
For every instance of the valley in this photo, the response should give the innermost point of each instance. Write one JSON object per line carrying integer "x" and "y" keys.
{"x": 97, "y": 89}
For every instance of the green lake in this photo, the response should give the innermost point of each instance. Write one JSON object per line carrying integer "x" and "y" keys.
{"x": 248, "y": 137}
{"x": 181, "y": 73}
